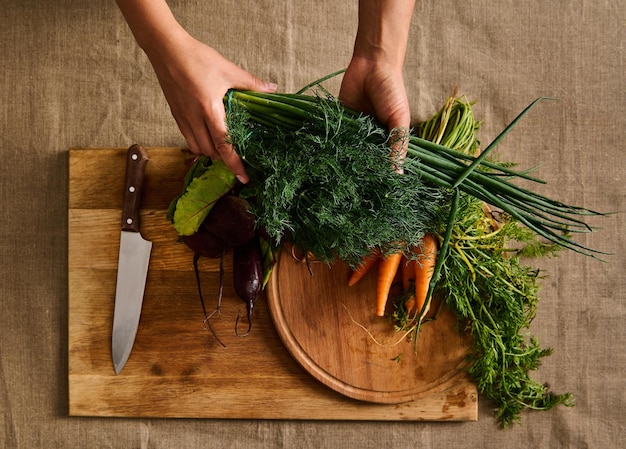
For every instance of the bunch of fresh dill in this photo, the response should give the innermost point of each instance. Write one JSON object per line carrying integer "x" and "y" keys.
{"x": 318, "y": 190}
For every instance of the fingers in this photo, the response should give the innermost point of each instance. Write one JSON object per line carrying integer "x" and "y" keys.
{"x": 220, "y": 148}
{"x": 257, "y": 85}
{"x": 208, "y": 135}
{"x": 218, "y": 131}
{"x": 398, "y": 124}
{"x": 399, "y": 143}
{"x": 206, "y": 132}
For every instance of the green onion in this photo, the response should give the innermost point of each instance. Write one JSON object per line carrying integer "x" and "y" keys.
{"x": 446, "y": 165}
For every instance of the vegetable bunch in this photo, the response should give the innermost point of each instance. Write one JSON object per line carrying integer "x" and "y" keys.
{"x": 307, "y": 152}
{"x": 322, "y": 179}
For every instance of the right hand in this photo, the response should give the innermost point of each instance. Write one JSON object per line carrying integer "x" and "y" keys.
{"x": 194, "y": 79}
{"x": 377, "y": 89}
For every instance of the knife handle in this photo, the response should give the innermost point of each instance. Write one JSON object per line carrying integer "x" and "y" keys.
{"x": 136, "y": 160}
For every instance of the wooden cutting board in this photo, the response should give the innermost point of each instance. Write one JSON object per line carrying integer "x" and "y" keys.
{"x": 332, "y": 331}
{"x": 177, "y": 368}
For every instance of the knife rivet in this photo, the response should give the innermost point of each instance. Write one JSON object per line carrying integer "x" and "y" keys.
{"x": 131, "y": 189}
{"x": 129, "y": 221}
{"x": 134, "y": 156}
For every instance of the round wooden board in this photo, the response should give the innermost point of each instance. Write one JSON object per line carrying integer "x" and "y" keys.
{"x": 332, "y": 331}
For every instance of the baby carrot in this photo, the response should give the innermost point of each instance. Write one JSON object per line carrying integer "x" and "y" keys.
{"x": 424, "y": 272}
{"x": 387, "y": 270}
{"x": 407, "y": 268}
{"x": 366, "y": 265}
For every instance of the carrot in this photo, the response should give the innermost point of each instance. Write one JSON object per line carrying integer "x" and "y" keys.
{"x": 427, "y": 256}
{"x": 366, "y": 265}
{"x": 387, "y": 270}
{"x": 407, "y": 268}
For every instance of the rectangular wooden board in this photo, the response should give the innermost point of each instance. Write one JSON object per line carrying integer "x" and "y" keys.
{"x": 177, "y": 369}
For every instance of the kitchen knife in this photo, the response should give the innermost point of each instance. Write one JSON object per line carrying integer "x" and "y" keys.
{"x": 134, "y": 258}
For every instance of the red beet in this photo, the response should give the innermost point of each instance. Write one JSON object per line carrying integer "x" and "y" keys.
{"x": 248, "y": 276}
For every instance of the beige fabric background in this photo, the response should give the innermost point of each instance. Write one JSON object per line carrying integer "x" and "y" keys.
{"x": 73, "y": 76}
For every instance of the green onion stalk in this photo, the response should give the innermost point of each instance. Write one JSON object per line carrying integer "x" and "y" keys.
{"x": 444, "y": 161}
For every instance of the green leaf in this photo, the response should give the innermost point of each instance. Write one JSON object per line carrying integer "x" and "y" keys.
{"x": 201, "y": 194}
{"x": 268, "y": 259}
{"x": 197, "y": 169}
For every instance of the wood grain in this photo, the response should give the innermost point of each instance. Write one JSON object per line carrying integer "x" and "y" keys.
{"x": 332, "y": 330}
{"x": 177, "y": 368}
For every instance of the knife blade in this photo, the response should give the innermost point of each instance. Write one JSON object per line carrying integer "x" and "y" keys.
{"x": 133, "y": 262}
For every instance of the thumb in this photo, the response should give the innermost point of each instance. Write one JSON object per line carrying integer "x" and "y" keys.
{"x": 399, "y": 143}
{"x": 398, "y": 126}
{"x": 398, "y": 116}
{"x": 247, "y": 81}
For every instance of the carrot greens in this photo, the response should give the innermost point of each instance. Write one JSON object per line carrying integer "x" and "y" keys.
{"x": 494, "y": 294}
{"x": 486, "y": 282}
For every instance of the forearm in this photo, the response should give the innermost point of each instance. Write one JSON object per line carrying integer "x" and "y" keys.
{"x": 383, "y": 30}
{"x": 151, "y": 22}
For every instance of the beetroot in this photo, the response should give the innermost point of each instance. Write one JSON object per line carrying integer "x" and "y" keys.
{"x": 230, "y": 226}
{"x": 248, "y": 276}
{"x": 230, "y": 221}
{"x": 205, "y": 244}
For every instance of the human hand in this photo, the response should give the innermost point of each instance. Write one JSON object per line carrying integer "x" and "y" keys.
{"x": 377, "y": 89}
{"x": 194, "y": 79}
{"x": 373, "y": 81}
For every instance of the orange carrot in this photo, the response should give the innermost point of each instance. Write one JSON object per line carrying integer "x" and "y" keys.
{"x": 387, "y": 270}
{"x": 409, "y": 305}
{"x": 407, "y": 268}
{"x": 424, "y": 267}
{"x": 366, "y": 265}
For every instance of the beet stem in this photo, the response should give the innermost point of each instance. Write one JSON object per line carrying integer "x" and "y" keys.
{"x": 207, "y": 325}
{"x": 221, "y": 289}
{"x": 196, "y": 257}
{"x": 249, "y": 315}
{"x": 207, "y": 317}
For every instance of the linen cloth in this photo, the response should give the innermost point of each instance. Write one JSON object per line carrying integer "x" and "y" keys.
{"x": 73, "y": 76}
